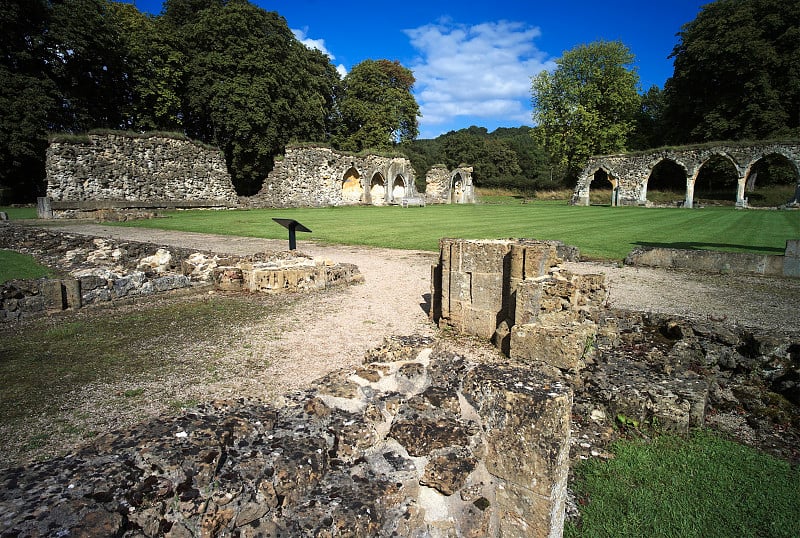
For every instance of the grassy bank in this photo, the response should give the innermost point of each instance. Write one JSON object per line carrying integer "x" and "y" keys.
{"x": 600, "y": 232}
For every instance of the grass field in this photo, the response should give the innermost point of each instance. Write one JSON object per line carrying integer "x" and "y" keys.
{"x": 601, "y": 232}
{"x": 20, "y": 266}
{"x": 701, "y": 486}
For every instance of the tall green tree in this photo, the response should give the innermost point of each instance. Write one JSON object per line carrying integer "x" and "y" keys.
{"x": 648, "y": 131}
{"x": 737, "y": 73}
{"x": 251, "y": 86}
{"x": 86, "y": 60}
{"x": 27, "y": 97}
{"x": 377, "y": 107}
{"x": 155, "y": 68}
{"x": 586, "y": 106}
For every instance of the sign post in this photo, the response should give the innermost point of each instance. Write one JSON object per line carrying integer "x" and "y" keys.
{"x": 293, "y": 226}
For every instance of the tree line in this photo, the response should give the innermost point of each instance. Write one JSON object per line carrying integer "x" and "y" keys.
{"x": 228, "y": 73}
{"x": 736, "y": 77}
{"x": 223, "y": 72}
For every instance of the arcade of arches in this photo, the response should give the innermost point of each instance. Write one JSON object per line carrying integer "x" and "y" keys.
{"x": 320, "y": 176}
{"x": 629, "y": 175}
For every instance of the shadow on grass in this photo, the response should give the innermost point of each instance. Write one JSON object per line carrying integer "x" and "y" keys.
{"x": 691, "y": 245}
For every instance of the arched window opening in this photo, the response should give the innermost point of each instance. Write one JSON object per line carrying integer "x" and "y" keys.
{"x": 398, "y": 189}
{"x": 377, "y": 190}
{"x": 667, "y": 183}
{"x": 457, "y": 189}
{"x": 352, "y": 191}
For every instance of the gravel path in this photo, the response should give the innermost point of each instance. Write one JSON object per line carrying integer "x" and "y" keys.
{"x": 396, "y": 282}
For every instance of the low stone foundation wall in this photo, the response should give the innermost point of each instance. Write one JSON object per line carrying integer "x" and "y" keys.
{"x": 721, "y": 262}
{"x": 97, "y": 270}
{"x": 417, "y": 442}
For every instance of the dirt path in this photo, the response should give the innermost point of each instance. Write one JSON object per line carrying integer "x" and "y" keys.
{"x": 332, "y": 330}
{"x": 389, "y": 302}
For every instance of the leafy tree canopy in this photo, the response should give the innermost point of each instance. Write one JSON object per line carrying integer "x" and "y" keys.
{"x": 737, "y": 73}
{"x": 506, "y": 158}
{"x": 377, "y": 107}
{"x": 587, "y": 105}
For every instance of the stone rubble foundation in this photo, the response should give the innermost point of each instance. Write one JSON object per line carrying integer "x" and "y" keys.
{"x": 419, "y": 441}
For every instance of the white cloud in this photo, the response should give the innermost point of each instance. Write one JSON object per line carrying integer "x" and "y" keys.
{"x": 318, "y": 44}
{"x": 480, "y": 71}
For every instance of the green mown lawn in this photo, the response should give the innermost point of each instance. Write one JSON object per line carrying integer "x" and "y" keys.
{"x": 701, "y": 486}
{"x": 600, "y": 232}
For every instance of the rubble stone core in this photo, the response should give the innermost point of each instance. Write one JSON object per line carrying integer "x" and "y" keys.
{"x": 420, "y": 441}
{"x": 117, "y": 171}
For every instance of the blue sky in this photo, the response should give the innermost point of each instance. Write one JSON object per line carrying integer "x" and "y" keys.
{"x": 473, "y": 60}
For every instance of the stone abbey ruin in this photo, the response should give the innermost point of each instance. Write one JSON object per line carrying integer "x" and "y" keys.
{"x": 424, "y": 437}
{"x": 120, "y": 171}
{"x": 630, "y": 173}
{"x": 427, "y": 436}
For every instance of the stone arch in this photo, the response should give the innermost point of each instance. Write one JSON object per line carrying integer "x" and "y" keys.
{"x": 707, "y": 160}
{"x": 352, "y": 189}
{"x": 588, "y": 176}
{"x": 758, "y": 164}
{"x": 602, "y": 177}
{"x": 667, "y": 173}
{"x": 456, "y": 188}
{"x": 398, "y": 188}
{"x": 377, "y": 189}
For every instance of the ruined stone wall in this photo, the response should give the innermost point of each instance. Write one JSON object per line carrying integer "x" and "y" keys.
{"x": 629, "y": 173}
{"x": 514, "y": 293}
{"x": 98, "y": 270}
{"x": 120, "y": 167}
{"x": 320, "y": 176}
{"x": 445, "y": 187}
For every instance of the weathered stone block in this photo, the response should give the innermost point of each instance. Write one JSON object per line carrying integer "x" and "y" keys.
{"x": 53, "y": 293}
{"x": 482, "y": 257}
{"x": 532, "y": 259}
{"x": 486, "y": 291}
{"x": 518, "y": 410}
{"x": 563, "y": 346}
{"x": 72, "y": 293}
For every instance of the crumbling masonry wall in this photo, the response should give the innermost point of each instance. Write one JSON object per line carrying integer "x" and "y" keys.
{"x": 443, "y": 186}
{"x": 120, "y": 170}
{"x": 320, "y": 177}
{"x": 418, "y": 441}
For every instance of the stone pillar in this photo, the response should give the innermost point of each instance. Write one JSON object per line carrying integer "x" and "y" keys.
{"x": 689, "y": 193}
{"x": 741, "y": 201}
{"x": 791, "y": 259}
{"x": 44, "y": 209}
